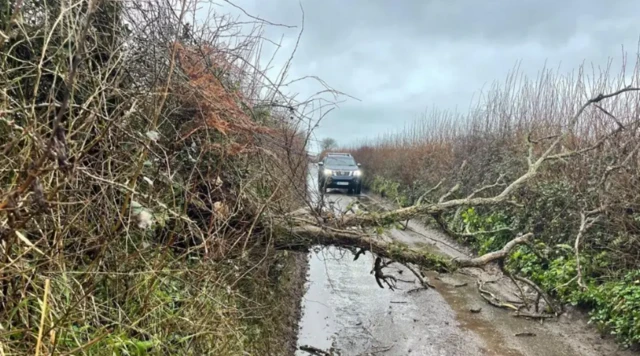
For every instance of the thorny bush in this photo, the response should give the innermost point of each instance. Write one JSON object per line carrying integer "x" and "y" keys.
{"x": 138, "y": 153}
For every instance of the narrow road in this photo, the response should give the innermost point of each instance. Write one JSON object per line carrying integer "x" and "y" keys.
{"x": 346, "y": 311}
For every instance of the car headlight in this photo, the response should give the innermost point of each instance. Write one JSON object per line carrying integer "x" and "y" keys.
{"x": 327, "y": 172}
{"x": 357, "y": 173}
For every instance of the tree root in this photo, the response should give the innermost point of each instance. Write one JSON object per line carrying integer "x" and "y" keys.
{"x": 380, "y": 276}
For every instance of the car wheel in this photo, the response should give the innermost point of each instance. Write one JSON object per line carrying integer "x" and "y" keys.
{"x": 358, "y": 188}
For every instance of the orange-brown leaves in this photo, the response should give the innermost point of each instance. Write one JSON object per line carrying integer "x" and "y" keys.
{"x": 211, "y": 91}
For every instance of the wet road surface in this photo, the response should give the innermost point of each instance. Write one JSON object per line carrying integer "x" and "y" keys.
{"x": 346, "y": 311}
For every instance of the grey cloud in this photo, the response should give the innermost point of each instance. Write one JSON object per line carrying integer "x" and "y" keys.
{"x": 399, "y": 57}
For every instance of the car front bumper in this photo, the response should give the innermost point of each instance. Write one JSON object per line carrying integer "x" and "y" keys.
{"x": 340, "y": 182}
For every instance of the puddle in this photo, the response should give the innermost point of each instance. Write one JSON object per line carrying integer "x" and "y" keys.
{"x": 341, "y": 302}
{"x": 344, "y": 309}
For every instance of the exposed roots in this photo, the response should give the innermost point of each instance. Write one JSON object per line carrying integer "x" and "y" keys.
{"x": 380, "y": 276}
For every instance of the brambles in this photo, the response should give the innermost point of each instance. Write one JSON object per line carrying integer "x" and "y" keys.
{"x": 138, "y": 160}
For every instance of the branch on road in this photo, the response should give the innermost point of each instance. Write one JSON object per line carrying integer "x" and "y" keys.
{"x": 304, "y": 237}
{"x": 314, "y": 351}
{"x": 380, "y": 276}
{"x": 496, "y": 255}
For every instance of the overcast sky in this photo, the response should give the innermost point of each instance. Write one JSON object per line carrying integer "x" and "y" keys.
{"x": 399, "y": 57}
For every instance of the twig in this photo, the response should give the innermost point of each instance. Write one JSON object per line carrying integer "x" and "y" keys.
{"x": 492, "y": 299}
{"x": 419, "y": 201}
{"x": 423, "y": 281}
{"x": 314, "y": 350}
{"x": 487, "y": 187}
{"x": 523, "y": 297}
{"x": 43, "y": 315}
{"x": 449, "y": 193}
{"x": 585, "y": 224}
{"x": 520, "y": 314}
{"x": 540, "y": 292}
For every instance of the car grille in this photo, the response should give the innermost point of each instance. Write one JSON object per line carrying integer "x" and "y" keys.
{"x": 342, "y": 173}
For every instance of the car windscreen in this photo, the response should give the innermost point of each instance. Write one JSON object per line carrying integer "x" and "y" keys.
{"x": 339, "y": 161}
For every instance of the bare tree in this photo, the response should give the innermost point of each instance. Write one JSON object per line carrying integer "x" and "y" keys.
{"x": 328, "y": 144}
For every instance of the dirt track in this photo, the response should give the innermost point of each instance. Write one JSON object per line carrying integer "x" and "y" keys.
{"x": 346, "y": 310}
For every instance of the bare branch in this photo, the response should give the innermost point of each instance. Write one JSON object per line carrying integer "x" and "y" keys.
{"x": 620, "y": 125}
{"x": 540, "y": 292}
{"x": 449, "y": 193}
{"x": 468, "y": 233}
{"x": 498, "y": 183}
{"x": 586, "y": 221}
{"x": 429, "y": 191}
{"x": 442, "y": 205}
{"x": 497, "y": 255}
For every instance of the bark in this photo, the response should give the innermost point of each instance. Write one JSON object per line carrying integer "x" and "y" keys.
{"x": 496, "y": 255}
{"x": 304, "y": 237}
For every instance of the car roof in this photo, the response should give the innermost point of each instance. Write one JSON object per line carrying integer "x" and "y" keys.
{"x": 339, "y": 154}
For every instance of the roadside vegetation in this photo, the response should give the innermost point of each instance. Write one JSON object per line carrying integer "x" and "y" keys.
{"x": 142, "y": 145}
{"x": 582, "y": 205}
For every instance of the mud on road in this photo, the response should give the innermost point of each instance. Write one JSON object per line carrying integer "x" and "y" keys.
{"x": 345, "y": 311}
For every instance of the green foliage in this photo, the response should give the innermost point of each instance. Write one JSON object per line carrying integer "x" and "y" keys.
{"x": 122, "y": 345}
{"x": 616, "y": 307}
{"x": 550, "y": 211}
{"x": 194, "y": 311}
{"x": 488, "y": 242}
{"x": 390, "y": 189}
{"x": 555, "y": 275}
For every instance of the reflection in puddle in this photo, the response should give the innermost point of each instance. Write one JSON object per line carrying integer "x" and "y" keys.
{"x": 345, "y": 309}
{"x": 342, "y": 300}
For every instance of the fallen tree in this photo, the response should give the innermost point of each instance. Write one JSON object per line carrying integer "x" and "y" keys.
{"x": 303, "y": 229}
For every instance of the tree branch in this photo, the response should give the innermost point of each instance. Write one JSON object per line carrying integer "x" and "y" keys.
{"x": 419, "y": 201}
{"x": 586, "y": 221}
{"x": 496, "y": 255}
{"x": 304, "y": 237}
